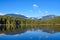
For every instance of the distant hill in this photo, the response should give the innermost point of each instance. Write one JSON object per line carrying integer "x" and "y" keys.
{"x": 48, "y": 17}
{"x": 20, "y": 16}
{"x": 16, "y": 15}
{"x": 34, "y": 18}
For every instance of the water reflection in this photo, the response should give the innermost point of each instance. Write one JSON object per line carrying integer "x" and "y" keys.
{"x": 32, "y": 33}
{"x": 18, "y": 28}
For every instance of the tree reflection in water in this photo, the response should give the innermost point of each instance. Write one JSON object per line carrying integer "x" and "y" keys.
{"x": 14, "y": 29}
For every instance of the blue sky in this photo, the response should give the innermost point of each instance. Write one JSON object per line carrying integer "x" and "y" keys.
{"x": 30, "y": 8}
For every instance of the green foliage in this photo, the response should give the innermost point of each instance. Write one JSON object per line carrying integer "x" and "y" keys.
{"x": 11, "y": 22}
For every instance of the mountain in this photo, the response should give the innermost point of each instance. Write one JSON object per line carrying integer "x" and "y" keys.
{"x": 34, "y": 18}
{"x": 48, "y": 17}
{"x": 21, "y": 16}
{"x": 16, "y": 15}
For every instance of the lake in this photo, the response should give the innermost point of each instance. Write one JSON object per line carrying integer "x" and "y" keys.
{"x": 35, "y": 33}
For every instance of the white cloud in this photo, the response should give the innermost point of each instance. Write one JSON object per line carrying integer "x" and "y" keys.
{"x": 2, "y": 34}
{"x": 30, "y": 11}
{"x": 16, "y": 13}
{"x": 40, "y": 11}
{"x": 46, "y": 11}
{"x": 2, "y": 14}
{"x": 16, "y": 35}
{"x": 35, "y": 5}
{"x": 43, "y": 12}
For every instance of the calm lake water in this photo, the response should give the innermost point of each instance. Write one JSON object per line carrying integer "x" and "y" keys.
{"x": 38, "y": 33}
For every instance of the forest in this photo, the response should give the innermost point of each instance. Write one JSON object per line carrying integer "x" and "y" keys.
{"x": 8, "y": 23}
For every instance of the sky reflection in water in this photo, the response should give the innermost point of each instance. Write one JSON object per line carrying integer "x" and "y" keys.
{"x": 32, "y": 35}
